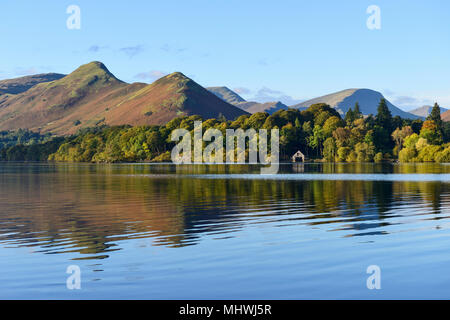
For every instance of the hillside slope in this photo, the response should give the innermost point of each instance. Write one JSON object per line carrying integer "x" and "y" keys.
{"x": 22, "y": 84}
{"x": 446, "y": 115}
{"x": 48, "y": 106}
{"x": 169, "y": 97}
{"x": 91, "y": 96}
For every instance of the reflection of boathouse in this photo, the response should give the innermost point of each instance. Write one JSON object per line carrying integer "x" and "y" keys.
{"x": 298, "y": 157}
{"x": 298, "y": 167}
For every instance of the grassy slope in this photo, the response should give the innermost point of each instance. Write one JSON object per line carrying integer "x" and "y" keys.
{"x": 91, "y": 95}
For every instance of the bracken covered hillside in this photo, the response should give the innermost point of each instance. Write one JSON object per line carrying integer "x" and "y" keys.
{"x": 92, "y": 96}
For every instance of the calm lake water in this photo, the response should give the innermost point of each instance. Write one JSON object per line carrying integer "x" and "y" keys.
{"x": 155, "y": 231}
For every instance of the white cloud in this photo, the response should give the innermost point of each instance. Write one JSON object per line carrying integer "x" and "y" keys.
{"x": 151, "y": 75}
{"x": 268, "y": 95}
{"x": 241, "y": 90}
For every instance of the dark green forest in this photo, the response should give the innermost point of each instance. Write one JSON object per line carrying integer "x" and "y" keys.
{"x": 319, "y": 132}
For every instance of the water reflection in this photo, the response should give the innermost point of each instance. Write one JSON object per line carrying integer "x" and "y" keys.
{"x": 89, "y": 209}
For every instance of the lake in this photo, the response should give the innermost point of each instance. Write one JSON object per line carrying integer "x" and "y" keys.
{"x": 160, "y": 231}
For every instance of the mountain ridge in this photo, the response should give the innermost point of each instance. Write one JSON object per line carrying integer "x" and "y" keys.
{"x": 233, "y": 98}
{"x": 22, "y": 84}
{"x": 367, "y": 99}
{"x": 91, "y": 95}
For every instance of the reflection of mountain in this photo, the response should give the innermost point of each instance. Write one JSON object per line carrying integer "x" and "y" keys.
{"x": 88, "y": 209}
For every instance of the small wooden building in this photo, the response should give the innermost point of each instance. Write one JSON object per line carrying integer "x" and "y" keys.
{"x": 298, "y": 157}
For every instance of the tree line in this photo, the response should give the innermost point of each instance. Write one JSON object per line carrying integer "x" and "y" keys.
{"x": 320, "y": 132}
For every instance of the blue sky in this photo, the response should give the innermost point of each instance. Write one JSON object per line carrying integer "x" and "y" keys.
{"x": 288, "y": 50}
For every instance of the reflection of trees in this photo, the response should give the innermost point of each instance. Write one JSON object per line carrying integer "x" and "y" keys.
{"x": 427, "y": 192}
{"x": 89, "y": 208}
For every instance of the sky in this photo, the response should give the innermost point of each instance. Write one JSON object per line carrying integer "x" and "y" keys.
{"x": 264, "y": 50}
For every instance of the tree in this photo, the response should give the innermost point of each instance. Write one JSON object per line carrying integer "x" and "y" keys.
{"x": 341, "y": 135}
{"x": 331, "y": 124}
{"x": 383, "y": 128}
{"x": 329, "y": 149}
{"x": 378, "y": 157}
{"x": 435, "y": 116}
{"x": 349, "y": 116}
{"x": 382, "y": 139}
{"x": 364, "y": 152}
{"x": 411, "y": 141}
{"x": 352, "y": 115}
{"x": 322, "y": 117}
{"x": 407, "y": 155}
{"x": 357, "y": 112}
{"x": 257, "y": 120}
{"x": 289, "y": 139}
{"x": 400, "y": 134}
{"x": 431, "y": 132}
{"x": 315, "y": 141}
{"x": 384, "y": 116}
{"x": 342, "y": 153}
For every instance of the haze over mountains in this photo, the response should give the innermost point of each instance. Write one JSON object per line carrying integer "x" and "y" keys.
{"x": 233, "y": 98}
{"x": 91, "y": 95}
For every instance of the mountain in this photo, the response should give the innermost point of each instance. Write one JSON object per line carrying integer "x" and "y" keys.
{"x": 91, "y": 95}
{"x": 227, "y": 95}
{"x": 368, "y": 101}
{"x": 49, "y": 106}
{"x": 425, "y": 111}
{"x": 250, "y": 106}
{"x": 22, "y": 84}
{"x": 170, "y": 97}
{"x": 446, "y": 115}
{"x": 269, "y": 107}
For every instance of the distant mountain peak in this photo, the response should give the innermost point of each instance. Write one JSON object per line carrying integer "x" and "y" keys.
{"x": 176, "y": 79}
{"x": 92, "y": 69}
{"x": 424, "y": 111}
{"x": 176, "y": 74}
{"x": 226, "y": 94}
{"x": 179, "y": 93}
{"x": 233, "y": 98}
{"x": 367, "y": 99}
